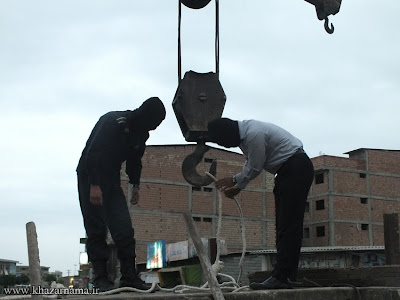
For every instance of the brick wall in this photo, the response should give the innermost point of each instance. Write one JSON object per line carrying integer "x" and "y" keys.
{"x": 322, "y": 214}
{"x": 349, "y": 182}
{"x": 351, "y": 234}
{"x": 385, "y": 186}
{"x": 342, "y": 162}
{"x": 380, "y": 207}
{"x": 320, "y": 183}
{"x": 384, "y": 161}
{"x": 350, "y": 208}
{"x": 164, "y": 195}
{"x": 378, "y": 235}
{"x": 318, "y": 241}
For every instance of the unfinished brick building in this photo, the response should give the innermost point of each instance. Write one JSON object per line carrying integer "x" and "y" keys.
{"x": 346, "y": 202}
{"x": 349, "y": 197}
{"x": 165, "y": 194}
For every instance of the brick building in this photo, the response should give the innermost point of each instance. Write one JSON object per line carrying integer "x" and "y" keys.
{"x": 349, "y": 197}
{"x": 346, "y": 202}
{"x": 165, "y": 194}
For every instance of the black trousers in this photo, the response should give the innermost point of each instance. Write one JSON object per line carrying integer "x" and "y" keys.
{"x": 292, "y": 184}
{"x": 113, "y": 214}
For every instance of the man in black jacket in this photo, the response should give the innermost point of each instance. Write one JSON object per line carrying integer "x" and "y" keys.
{"x": 118, "y": 136}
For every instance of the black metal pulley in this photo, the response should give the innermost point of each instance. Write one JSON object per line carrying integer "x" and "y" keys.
{"x": 195, "y": 4}
{"x": 198, "y": 100}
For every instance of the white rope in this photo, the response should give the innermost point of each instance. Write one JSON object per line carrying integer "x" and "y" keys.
{"x": 243, "y": 229}
{"x": 129, "y": 289}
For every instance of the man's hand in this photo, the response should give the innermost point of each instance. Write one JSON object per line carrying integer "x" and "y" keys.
{"x": 231, "y": 192}
{"x": 96, "y": 195}
{"x": 134, "y": 196}
{"x": 228, "y": 187}
{"x": 224, "y": 183}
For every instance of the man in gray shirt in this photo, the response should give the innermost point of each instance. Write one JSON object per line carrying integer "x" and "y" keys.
{"x": 269, "y": 147}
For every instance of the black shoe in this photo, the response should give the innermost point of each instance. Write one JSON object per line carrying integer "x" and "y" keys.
{"x": 134, "y": 282}
{"x": 129, "y": 277}
{"x": 270, "y": 284}
{"x": 101, "y": 280}
{"x": 103, "y": 284}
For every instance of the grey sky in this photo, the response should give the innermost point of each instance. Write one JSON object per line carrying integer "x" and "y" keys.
{"x": 65, "y": 63}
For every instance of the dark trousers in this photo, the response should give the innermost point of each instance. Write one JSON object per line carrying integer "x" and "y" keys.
{"x": 113, "y": 214}
{"x": 292, "y": 184}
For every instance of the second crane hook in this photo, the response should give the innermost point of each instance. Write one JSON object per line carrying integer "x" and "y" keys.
{"x": 326, "y": 25}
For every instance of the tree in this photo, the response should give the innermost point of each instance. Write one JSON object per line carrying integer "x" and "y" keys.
{"x": 8, "y": 280}
{"x": 22, "y": 279}
{"x": 49, "y": 278}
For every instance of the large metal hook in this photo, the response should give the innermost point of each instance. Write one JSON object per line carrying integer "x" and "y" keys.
{"x": 326, "y": 25}
{"x": 190, "y": 163}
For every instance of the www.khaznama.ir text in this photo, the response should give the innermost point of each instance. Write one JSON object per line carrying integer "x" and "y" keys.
{"x": 38, "y": 290}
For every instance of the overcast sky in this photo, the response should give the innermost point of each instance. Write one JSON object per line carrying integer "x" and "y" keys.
{"x": 65, "y": 63}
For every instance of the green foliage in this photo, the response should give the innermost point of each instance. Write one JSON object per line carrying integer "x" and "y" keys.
{"x": 23, "y": 279}
{"x": 11, "y": 280}
{"x": 8, "y": 280}
{"x": 49, "y": 278}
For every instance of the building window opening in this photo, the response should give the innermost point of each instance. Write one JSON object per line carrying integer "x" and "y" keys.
{"x": 207, "y": 220}
{"x": 196, "y": 188}
{"x": 363, "y": 175}
{"x": 319, "y": 178}
{"x": 306, "y": 233}
{"x": 197, "y": 219}
{"x": 364, "y": 200}
{"x": 320, "y": 204}
{"x": 208, "y": 160}
{"x": 207, "y": 189}
{"x": 307, "y": 208}
{"x": 364, "y": 226}
{"x": 320, "y": 231}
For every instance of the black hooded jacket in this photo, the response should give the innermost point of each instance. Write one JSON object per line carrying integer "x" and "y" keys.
{"x": 111, "y": 142}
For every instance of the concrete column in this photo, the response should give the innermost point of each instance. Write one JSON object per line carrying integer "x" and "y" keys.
{"x": 34, "y": 260}
{"x": 370, "y": 229}
{"x": 332, "y": 240}
{"x": 264, "y": 209}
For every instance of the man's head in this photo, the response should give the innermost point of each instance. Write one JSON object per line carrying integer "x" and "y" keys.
{"x": 224, "y": 132}
{"x": 149, "y": 115}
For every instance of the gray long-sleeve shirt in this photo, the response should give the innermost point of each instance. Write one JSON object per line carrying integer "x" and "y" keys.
{"x": 265, "y": 146}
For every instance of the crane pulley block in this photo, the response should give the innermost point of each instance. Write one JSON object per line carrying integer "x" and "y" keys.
{"x": 198, "y": 100}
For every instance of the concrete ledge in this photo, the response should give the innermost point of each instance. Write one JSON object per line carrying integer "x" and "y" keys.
{"x": 329, "y": 293}
{"x": 361, "y": 277}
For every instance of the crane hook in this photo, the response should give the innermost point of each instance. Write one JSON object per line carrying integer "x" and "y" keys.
{"x": 326, "y": 25}
{"x": 190, "y": 163}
